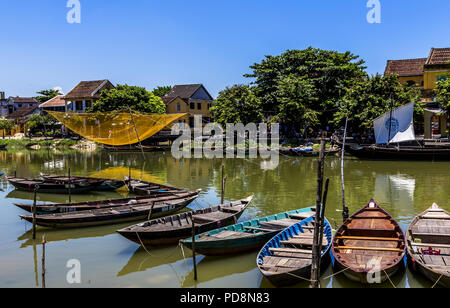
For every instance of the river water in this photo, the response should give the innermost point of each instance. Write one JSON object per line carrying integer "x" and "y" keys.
{"x": 404, "y": 189}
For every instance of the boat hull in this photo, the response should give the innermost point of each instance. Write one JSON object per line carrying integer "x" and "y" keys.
{"x": 379, "y": 153}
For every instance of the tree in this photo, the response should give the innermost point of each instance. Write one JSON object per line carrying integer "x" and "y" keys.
{"x": 443, "y": 92}
{"x": 237, "y": 104}
{"x": 6, "y": 125}
{"x": 324, "y": 76}
{"x": 39, "y": 122}
{"x": 161, "y": 90}
{"x": 125, "y": 97}
{"x": 47, "y": 95}
{"x": 373, "y": 96}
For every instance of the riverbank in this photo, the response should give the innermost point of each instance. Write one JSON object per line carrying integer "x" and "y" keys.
{"x": 43, "y": 143}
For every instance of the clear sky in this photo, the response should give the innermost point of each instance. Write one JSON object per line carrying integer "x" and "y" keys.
{"x": 166, "y": 42}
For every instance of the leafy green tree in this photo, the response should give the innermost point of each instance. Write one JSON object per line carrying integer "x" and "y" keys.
{"x": 320, "y": 79}
{"x": 39, "y": 122}
{"x": 161, "y": 90}
{"x": 443, "y": 92}
{"x": 6, "y": 125}
{"x": 373, "y": 96}
{"x": 125, "y": 97}
{"x": 237, "y": 104}
{"x": 46, "y": 95}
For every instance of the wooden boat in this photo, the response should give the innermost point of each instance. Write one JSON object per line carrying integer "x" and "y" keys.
{"x": 428, "y": 244}
{"x": 93, "y": 205}
{"x": 369, "y": 244}
{"x": 289, "y": 254}
{"x": 145, "y": 188}
{"x": 106, "y": 185}
{"x": 107, "y": 216}
{"x": 399, "y": 153}
{"x": 245, "y": 236}
{"x": 54, "y": 186}
{"x": 170, "y": 230}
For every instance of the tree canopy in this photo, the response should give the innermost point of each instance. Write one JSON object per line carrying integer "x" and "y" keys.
{"x": 6, "y": 124}
{"x": 373, "y": 96}
{"x": 161, "y": 90}
{"x": 303, "y": 86}
{"x": 443, "y": 92}
{"x": 46, "y": 95}
{"x": 237, "y": 104}
{"x": 125, "y": 97}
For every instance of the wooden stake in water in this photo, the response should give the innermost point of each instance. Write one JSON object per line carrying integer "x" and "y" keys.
{"x": 344, "y": 207}
{"x": 322, "y": 218}
{"x": 129, "y": 178}
{"x": 315, "y": 267}
{"x": 193, "y": 248}
{"x": 224, "y": 182}
{"x": 69, "y": 189}
{"x": 43, "y": 261}
{"x": 151, "y": 211}
{"x": 34, "y": 211}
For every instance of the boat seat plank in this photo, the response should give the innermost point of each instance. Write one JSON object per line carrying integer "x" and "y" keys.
{"x": 368, "y": 248}
{"x": 368, "y": 238}
{"x": 302, "y": 216}
{"x": 303, "y": 242}
{"x": 258, "y": 229}
{"x": 430, "y": 245}
{"x": 290, "y": 250}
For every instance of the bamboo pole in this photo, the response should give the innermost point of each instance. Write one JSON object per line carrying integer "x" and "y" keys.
{"x": 69, "y": 189}
{"x": 224, "y": 182}
{"x": 315, "y": 267}
{"x": 322, "y": 219}
{"x": 43, "y": 261}
{"x": 193, "y": 247}
{"x": 344, "y": 207}
{"x": 34, "y": 211}
{"x": 151, "y": 211}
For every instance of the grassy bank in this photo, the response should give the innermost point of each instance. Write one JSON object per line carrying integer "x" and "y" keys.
{"x": 42, "y": 143}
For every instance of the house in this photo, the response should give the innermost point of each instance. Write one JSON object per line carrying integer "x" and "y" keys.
{"x": 424, "y": 73}
{"x": 55, "y": 104}
{"x": 85, "y": 94}
{"x": 192, "y": 99}
{"x": 4, "y": 112}
{"x": 21, "y": 116}
{"x": 17, "y": 103}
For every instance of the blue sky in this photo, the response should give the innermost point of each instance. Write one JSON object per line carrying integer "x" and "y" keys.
{"x": 166, "y": 42}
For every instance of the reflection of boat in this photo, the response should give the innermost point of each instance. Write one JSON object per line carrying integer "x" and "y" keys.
{"x": 428, "y": 245}
{"x": 54, "y": 186}
{"x": 402, "y": 153}
{"x": 287, "y": 256}
{"x": 211, "y": 268}
{"x": 109, "y": 204}
{"x": 369, "y": 245}
{"x": 142, "y": 261}
{"x": 171, "y": 229}
{"x": 245, "y": 236}
{"x": 110, "y": 215}
{"x": 106, "y": 185}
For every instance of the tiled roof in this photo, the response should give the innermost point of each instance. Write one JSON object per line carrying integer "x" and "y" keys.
{"x": 167, "y": 100}
{"x": 22, "y": 112}
{"x": 24, "y": 100}
{"x": 439, "y": 56}
{"x": 86, "y": 90}
{"x": 183, "y": 91}
{"x": 57, "y": 101}
{"x": 409, "y": 67}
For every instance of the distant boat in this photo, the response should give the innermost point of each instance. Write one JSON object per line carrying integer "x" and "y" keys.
{"x": 393, "y": 129}
{"x": 54, "y": 186}
{"x": 368, "y": 244}
{"x": 170, "y": 230}
{"x": 246, "y": 236}
{"x": 106, "y": 185}
{"x": 428, "y": 245}
{"x": 287, "y": 258}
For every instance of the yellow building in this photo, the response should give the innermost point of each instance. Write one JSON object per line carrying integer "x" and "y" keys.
{"x": 424, "y": 73}
{"x": 192, "y": 99}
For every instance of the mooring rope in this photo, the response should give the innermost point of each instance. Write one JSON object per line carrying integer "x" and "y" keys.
{"x": 437, "y": 281}
{"x": 389, "y": 279}
{"x": 142, "y": 244}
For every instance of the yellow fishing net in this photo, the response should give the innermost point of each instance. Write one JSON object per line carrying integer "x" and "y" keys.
{"x": 113, "y": 128}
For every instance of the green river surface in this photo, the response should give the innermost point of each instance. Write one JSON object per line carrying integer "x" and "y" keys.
{"x": 404, "y": 189}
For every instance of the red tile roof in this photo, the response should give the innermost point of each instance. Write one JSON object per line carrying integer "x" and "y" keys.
{"x": 439, "y": 56}
{"x": 22, "y": 112}
{"x": 88, "y": 89}
{"x": 409, "y": 67}
{"x": 57, "y": 101}
{"x": 24, "y": 100}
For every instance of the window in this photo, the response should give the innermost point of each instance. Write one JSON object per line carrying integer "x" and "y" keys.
{"x": 199, "y": 106}
{"x": 209, "y": 105}
{"x": 191, "y": 122}
{"x": 442, "y": 78}
{"x": 178, "y": 107}
{"x": 78, "y": 105}
{"x": 88, "y": 104}
{"x": 192, "y": 106}
{"x": 411, "y": 83}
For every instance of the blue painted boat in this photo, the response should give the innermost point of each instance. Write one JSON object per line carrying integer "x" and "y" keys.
{"x": 246, "y": 236}
{"x": 2, "y": 174}
{"x": 287, "y": 257}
